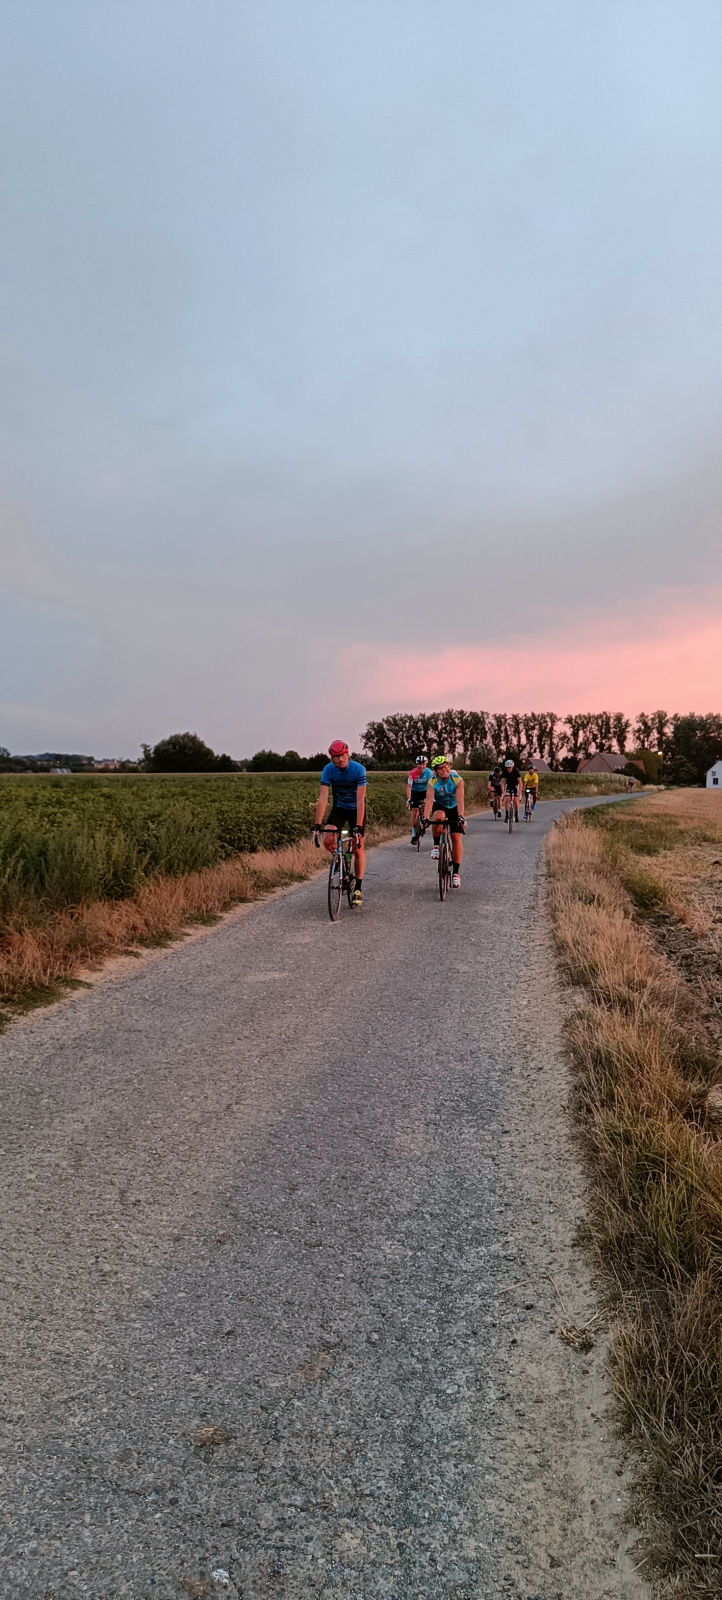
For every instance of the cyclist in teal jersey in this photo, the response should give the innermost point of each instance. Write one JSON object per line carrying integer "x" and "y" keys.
{"x": 417, "y": 784}
{"x": 445, "y": 802}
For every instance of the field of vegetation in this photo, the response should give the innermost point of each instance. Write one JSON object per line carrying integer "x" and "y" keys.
{"x": 636, "y": 897}
{"x": 67, "y": 841}
{"x": 90, "y": 864}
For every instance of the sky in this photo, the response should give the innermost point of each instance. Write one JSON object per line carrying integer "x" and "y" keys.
{"x": 358, "y": 356}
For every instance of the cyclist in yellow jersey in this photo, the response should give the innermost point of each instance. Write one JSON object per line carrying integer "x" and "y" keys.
{"x": 531, "y": 781}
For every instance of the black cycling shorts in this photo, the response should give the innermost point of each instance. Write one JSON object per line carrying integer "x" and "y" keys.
{"x": 417, "y": 798}
{"x": 452, "y": 816}
{"x": 338, "y": 818}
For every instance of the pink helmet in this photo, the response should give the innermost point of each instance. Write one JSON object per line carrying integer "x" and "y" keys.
{"x": 338, "y": 747}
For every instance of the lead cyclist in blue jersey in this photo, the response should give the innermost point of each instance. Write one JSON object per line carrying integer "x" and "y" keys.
{"x": 347, "y": 781}
{"x": 445, "y": 802}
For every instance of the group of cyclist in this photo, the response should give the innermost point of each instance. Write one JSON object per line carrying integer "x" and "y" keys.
{"x": 506, "y": 786}
{"x": 434, "y": 794}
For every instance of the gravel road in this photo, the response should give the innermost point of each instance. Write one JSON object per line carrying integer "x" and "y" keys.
{"x": 281, "y": 1211}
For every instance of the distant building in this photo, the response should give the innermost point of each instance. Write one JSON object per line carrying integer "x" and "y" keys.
{"x": 106, "y": 766}
{"x": 611, "y": 761}
{"x": 714, "y": 776}
{"x": 541, "y": 766}
{"x": 604, "y": 761}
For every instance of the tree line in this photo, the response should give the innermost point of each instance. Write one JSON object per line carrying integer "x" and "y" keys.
{"x": 688, "y": 744}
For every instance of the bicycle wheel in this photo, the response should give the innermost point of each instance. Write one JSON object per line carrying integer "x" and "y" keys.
{"x": 349, "y": 876}
{"x": 335, "y": 885}
{"x": 511, "y": 813}
{"x": 444, "y": 871}
{"x": 527, "y": 808}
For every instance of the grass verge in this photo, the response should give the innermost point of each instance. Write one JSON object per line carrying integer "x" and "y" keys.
{"x": 647, "y": 1061}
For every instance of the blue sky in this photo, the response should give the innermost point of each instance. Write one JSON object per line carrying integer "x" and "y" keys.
{"x": 338, "y": 337}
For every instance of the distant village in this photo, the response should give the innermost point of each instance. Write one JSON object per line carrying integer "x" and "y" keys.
{"x": 60, "y": 763}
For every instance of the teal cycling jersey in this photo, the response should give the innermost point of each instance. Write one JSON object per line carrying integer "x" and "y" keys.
{"x": 420, "y": 777}
{"x": 445, "y": 790}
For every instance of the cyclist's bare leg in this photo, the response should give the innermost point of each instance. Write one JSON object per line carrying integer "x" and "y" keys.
{"x": 329, "y": 836}
{"x": 457, "y": 849}
{"x": 415, "y": 819}
{"x": 359, "y": 859}
{"x": 437, "y": 821}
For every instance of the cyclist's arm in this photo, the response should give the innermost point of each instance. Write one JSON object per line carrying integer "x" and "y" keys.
{"x": 361, "y": 804}
{"x": 429, "y": 800}
{"x": 460, "y": 796}
{"x": 321, "y": 804}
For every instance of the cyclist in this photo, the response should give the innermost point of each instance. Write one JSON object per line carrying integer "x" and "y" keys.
{"x": 512, "y": 787}
{"x": 445, "y": 798}
{"x": 417, "y": 784}
{"x": 494, "y": 788}
{"x": 347, "y": 781}
{"x": 531, "y": 782}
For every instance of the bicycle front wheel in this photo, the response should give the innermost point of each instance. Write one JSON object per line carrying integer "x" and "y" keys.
{"x": 511, "y": 816}
{"x": 335, "y": 886}
{"x": 444, "y": 867}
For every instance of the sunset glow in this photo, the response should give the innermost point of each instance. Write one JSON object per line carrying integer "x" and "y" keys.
{"x": 674, "y": 662}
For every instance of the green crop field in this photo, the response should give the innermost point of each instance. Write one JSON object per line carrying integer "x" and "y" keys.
{"x": 66, "y": 841}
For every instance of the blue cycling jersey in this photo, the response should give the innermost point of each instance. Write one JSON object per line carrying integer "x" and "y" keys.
{"x": 345, "y": 784}
{"x": 445, "y": 790}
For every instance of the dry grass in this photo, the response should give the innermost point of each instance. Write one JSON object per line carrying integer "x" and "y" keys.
{"x": 646, "y": 1059}
{"x": 35, "y": 962}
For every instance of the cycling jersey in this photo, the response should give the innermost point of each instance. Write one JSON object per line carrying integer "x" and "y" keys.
{"x": 445, "y": 790}
{"x": 512, "y": 779}
{"x": 531, "y": 780}
{"x": 344, "y": 784}
{"x": 420, "y": 778}
{"x": 496, "y": 779}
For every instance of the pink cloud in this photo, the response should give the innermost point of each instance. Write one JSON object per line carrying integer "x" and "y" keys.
{"x": 670, "y": 656}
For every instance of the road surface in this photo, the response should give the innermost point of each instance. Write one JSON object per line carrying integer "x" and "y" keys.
{"x": 281, "y": 1209}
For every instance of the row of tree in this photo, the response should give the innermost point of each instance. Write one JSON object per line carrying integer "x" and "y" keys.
{"x": 688, "y": 744}
{"x": 542, "y": 733}
{"x": 185, "y": 752}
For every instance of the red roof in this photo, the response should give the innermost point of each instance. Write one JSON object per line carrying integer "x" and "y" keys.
{"x": 604, "y": 761}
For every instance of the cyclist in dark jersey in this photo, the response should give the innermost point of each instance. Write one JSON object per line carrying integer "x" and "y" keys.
{"x": 494, "y": 788}
{"x": 512, "y": 787}
{"x": 347, "y": 781}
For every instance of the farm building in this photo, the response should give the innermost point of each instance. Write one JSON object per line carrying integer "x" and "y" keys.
{"x": 714, "y": 776}
{"x": 604, "y": 761}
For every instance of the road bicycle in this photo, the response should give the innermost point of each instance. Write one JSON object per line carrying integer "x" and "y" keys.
{"x": 446, "y": 860}
{"x": 511, "y": 802}
{"x": 528, "y": 805}
{"x": 495, "y": 803}
{"x": 446, "y": 865}
{"x": 421, "y": 827}
{"x": 341, "y": 876}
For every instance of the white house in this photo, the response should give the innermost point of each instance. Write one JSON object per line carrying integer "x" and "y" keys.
{"x": 714, "y": 776}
